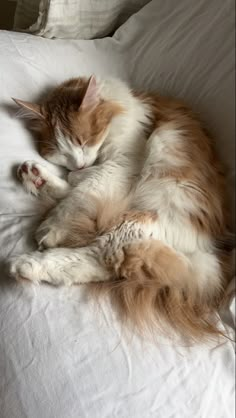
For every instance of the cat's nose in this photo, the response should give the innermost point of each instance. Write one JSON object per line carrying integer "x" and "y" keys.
{"x": 79, "y": 167}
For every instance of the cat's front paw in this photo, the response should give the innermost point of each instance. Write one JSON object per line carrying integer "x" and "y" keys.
{"x": 33, "y": 176}
{"x": 49, "y": 234}
{"x": 27, "y": 267}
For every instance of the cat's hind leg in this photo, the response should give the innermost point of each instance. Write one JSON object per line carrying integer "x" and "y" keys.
{"x": 38, "y": 180}
{"x": 60, "y": 266}
{"x": 96, "y": 262}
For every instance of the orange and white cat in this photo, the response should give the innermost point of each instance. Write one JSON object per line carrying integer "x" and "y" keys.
{"x": 143, "y": 209}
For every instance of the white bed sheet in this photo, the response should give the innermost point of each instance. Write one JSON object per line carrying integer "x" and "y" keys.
{"x": 58, "y": 357}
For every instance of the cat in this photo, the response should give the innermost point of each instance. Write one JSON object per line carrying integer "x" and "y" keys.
{"x": 143, "y": 208}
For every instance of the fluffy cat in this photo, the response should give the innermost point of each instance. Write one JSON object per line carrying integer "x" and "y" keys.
{"x": 143, "y": 210}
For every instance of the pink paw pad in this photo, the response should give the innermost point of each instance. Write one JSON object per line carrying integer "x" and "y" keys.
{"x": 35, "y": 171}
{"x": 24, "y": 168}
{"x": 29, "y": 172}
{"x": 38, "y": 182}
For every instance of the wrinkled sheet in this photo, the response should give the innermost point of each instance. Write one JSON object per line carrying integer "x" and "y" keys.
{"x": 59, "y": 356}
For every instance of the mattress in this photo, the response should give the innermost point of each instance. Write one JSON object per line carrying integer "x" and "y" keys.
{"x": 59, "y": 355}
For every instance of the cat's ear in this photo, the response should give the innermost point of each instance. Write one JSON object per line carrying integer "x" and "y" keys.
{"x": 91, "y": 97}
{"x": 28, "y": 110}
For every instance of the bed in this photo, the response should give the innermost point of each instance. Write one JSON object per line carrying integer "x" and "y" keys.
{"x": 59, "y": 356}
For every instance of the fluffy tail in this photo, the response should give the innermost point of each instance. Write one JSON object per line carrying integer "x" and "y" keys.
{"x": 155, "y": 287}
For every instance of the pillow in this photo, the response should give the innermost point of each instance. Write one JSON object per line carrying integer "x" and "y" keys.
{"x": 82, "y": 19}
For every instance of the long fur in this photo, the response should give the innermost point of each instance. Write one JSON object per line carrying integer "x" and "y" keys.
{"x": 146, "y": 217}
{"x": 153, "y": 290}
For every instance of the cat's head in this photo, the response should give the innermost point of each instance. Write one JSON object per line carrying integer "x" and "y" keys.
{"x": 72, "y": 122}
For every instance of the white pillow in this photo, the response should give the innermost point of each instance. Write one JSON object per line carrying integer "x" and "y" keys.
{"x": 81, "y": 19}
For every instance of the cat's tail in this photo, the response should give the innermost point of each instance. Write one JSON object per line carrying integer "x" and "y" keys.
{"x": 157, "y": 288}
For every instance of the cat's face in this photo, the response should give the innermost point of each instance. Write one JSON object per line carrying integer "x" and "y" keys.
{"x": 72, "y": 123}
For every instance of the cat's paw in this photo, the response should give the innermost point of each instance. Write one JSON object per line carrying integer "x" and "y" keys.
{"x": 49, "y": 234}
{"x": 27, "y": 267}
{"x": 38, "y": 180}
{"x": 33, "y": 176}
{"x": 39, "y": 267}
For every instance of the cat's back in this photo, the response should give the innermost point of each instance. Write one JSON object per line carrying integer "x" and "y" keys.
{"x": 182, "y": 166}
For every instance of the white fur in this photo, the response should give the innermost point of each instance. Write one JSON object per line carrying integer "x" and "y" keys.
{"x": 52, "y": 186}
{"x": 124, "y": 162}
{"x": 59, "y": 266}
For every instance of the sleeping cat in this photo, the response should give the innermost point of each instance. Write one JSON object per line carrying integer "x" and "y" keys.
{"x": 143, "y": 207}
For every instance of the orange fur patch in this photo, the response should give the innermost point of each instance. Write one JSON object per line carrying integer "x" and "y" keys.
{"x": 62, "y": 107}
{"x": 154, "y": 291}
